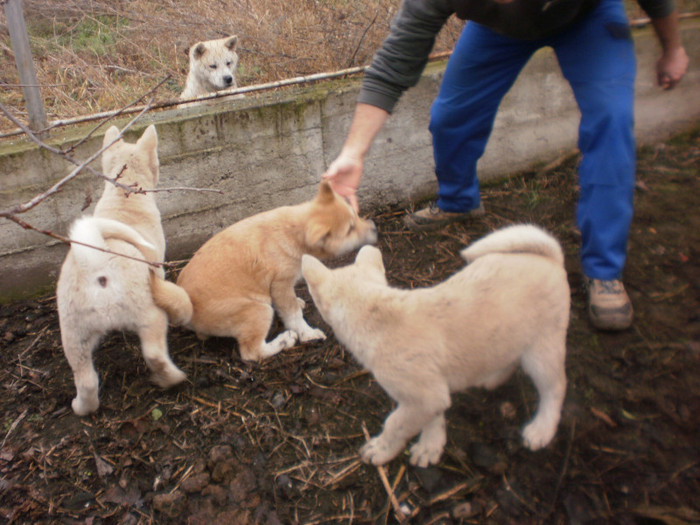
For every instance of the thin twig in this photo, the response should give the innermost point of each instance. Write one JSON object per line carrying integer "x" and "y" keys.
{"x": 22, "y": 208}
{"x": 385, "y": 481}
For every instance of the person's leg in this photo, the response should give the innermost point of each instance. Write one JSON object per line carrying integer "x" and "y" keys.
{"x": 482, "y": 68}
{"x": 597, "y": 58}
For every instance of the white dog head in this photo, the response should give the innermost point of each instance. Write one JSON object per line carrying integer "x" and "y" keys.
{"x": 213, "y": 64}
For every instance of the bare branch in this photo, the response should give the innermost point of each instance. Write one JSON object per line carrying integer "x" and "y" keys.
{"x": 22, "y": 208}
{"x": 119, "y": 112}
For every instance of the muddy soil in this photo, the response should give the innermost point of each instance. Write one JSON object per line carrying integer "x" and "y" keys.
{"x": 277, "y": 442}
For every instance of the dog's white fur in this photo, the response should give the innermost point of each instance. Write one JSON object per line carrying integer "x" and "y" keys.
{"x": 239, "y": 277}
{"x": 98, "y": 292}
{"x": 212, "y": 67}
{"x": 509, "y": 306}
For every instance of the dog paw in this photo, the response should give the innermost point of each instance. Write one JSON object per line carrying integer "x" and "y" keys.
{"x": 425, "y": 454}
{"x": 376, "y": 451}
{"x": 83, "y": 407}
{"x": 311, "y": 334}
{"x": 166, "y": 379}
{"x": 537, "y": 435}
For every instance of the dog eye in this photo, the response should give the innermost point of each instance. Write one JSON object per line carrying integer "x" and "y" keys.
{"x": 212, "y": 66}
{"x": 228, "y": 63}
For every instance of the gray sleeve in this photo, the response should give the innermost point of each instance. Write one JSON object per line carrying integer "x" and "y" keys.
{"x": 399, "y": 62}
{"x": 657, "y": 8}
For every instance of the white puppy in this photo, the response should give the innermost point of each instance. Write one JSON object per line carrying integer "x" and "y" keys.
{"x": 508, "y": 307}
{"x": 98, "y": 292}
{"x": 212, "y": 67}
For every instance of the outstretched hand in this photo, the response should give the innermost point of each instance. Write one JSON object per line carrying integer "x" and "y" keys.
{"x": 344, "y": 176}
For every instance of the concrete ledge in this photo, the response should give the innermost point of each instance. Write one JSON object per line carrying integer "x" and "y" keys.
{"x": 268, "y": 150}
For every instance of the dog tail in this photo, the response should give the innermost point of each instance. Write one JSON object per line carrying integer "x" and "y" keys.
{"x": 171, "y": 298}
{"x": 93, "y": 231}
{"x": 519, "y": 238}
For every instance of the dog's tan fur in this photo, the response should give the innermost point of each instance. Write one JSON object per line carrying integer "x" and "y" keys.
{"x": 509, "y": 306}
{"x": 212, "y": 67}
{"x": 98, "y": 292}
{"x": 238, "y": 276}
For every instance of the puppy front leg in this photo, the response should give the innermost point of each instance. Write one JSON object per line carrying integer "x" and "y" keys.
{"x": 289, "y": 307}
{"x": 401, "y": 425}
{"x": 428, "y": 449}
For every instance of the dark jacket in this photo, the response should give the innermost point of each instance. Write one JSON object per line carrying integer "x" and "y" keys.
{"x": 400, "y": 60}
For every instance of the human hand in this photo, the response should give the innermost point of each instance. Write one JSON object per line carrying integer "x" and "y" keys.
{"x": 671, "y": 67}
{"x": 344, "y": 176}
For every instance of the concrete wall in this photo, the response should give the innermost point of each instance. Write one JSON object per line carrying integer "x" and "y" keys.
{"x": 268, "y": 150}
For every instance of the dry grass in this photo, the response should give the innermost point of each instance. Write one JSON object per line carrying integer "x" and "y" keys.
{"x": 96, "y": 55}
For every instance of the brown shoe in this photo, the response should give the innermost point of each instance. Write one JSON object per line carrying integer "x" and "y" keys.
{"x": 432, "y": 217}
{"x": 609, "y": 306}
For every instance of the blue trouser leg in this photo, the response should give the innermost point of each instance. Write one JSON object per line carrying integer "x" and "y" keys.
{"x": 482, "y": 69}
{"x": 597, "y": 58}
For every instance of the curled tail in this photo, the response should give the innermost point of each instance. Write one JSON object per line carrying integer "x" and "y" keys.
{"x": 94, "y": 231}
{"x": 519, "y": 238}
{"x": 171, "y": 298}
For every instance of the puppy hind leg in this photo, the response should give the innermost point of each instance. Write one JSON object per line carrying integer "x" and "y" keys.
{"x": 549, "y": 377}
{"x": 154, "y": 347}
{"x": 78, "y": 350}
{"x": 251, "y": 330}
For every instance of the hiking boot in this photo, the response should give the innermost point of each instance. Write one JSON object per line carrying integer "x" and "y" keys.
{"x": 609, "y": 306}
{"x": 432, "y": 217}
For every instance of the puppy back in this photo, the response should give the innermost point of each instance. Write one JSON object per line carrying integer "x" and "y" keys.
{"x": 519, "y": 238}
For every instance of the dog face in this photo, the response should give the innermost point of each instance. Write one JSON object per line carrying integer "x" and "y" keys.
{"x": 331, "y": 288}
{"x": 333, "y": 227}
{"x": 214, "y": 63}
{"x": 132, "y": 163}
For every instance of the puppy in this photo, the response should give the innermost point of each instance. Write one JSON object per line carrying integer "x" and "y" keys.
{"x": 240, "y": 275}
{"x": 212, "y": 67}
{"x": 509, "y": 306}
{"x": 98, "y": 292}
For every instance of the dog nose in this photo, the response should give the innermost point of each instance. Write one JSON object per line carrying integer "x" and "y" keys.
{"x": 228, "y": 80}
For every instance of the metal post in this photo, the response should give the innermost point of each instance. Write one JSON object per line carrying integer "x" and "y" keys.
{"x": 25, "y": 66}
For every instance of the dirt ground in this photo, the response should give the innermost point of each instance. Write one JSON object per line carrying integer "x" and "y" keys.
{"x": 277, "y": 442}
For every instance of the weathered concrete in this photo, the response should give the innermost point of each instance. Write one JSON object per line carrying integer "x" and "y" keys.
{"x": 269, "y": 150}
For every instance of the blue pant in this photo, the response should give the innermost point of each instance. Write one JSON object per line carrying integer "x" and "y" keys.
{"x": 596, "y": 56}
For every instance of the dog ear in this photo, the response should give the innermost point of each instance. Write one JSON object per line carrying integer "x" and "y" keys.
{"x": 232, "y": 42}
{"x": 312, "y": 269}
{"x": 149, "y": 143}
{"x": 326, "y": 195}
{"x": 149, "y": 139}
{"x": 111, "y": 134}
{"x": 371, "y": 256}
{"x": 198, "y": 50}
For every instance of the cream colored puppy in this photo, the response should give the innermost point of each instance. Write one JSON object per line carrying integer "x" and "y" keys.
{"x": 98, "y": 292}
{"x": 239, "y": 277}
{"x": 508, "y": 307}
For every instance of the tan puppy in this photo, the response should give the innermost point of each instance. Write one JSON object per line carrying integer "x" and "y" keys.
{"x": 238, "y": 276}
{"x": 98, "y": 292}
{"x": 509, "y": 306}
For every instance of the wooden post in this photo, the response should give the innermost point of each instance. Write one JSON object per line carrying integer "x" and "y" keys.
{"x": 25, "y": 66}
